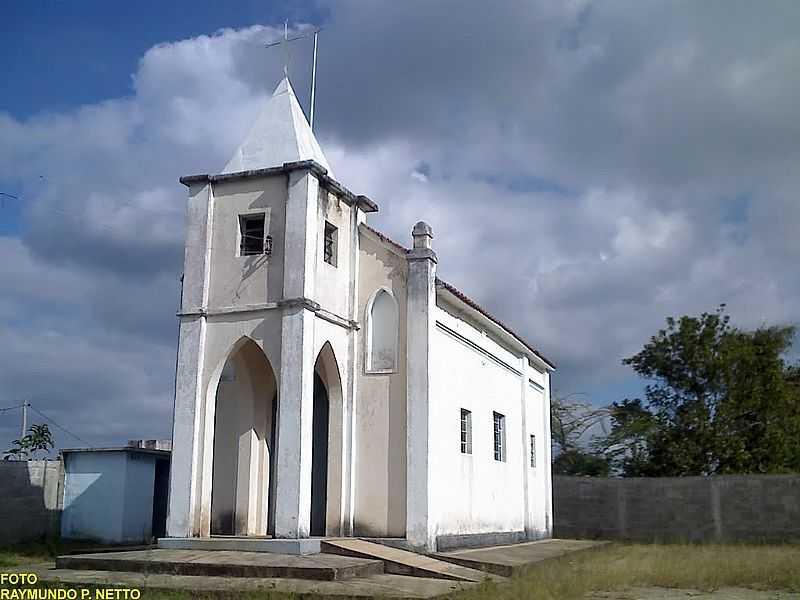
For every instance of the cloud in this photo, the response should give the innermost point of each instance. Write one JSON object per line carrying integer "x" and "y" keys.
{"x": 588, "y": 169}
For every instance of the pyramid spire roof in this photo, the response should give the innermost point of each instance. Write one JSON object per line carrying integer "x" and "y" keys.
{"x": 279, "y": 135}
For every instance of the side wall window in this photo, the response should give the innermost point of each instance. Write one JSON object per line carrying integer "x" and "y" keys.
{"x": 533, "y": 451}
{"x": 499, "y": 436}
{"x": 330, "y": 241}
{"x": 466, "y": 431}
{"x": 381, "y": 333}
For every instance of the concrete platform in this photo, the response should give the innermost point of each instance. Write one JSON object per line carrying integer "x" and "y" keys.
{"x": 225, "y": 563}
{"x": 383, "y": 586}
{"x": 507, "y": 560}
{"x": 403, "y": 562}
{"x": 244, "y": 544}
{"x": 392, "y": 542}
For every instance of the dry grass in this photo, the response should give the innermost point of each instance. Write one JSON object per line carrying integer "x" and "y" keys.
{"x": 39, "y": 551}
{"x": 612, "y": 567}
{"x": 618, "y": 566}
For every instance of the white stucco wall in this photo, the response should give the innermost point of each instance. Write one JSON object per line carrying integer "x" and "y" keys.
{"x": 540, "y": 522}
{"x": 474, "y": 493}
{"x": 380, "y": 470}
{"x": 246, "y": 280}
{"x": 332, "y": 285}
{"x": 217, "y": 283}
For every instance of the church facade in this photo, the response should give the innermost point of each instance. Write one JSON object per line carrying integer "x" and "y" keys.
{"x": 328, "y": 382}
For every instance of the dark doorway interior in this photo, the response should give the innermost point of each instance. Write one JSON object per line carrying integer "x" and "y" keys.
{"x": 221, "y": 520}
{"x": 273, "y": 467}
{"x": 319, "y": 458}
{"x": 160, "y": 494}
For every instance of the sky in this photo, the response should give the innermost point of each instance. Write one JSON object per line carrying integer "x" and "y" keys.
{"x": 588, "y": 168}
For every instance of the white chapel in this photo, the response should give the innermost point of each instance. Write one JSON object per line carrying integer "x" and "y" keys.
{"x": 328, "y": 382}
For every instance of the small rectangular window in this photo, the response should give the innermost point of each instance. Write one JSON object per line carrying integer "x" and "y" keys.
{"x": 466, "y": 431}
{"x": 499, "y": 437}
{"x": 252, "y": 238}
{"x": 329, "y": 244}
{"x": 533, "y": 451}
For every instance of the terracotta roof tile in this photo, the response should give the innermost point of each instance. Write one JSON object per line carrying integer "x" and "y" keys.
{"x": 464, "y": 298}
{"x": 470, "y": 302}
{"x": 385, "y": 238}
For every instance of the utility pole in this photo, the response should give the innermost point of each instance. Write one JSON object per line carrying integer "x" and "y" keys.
{"x": 25, "y": 406}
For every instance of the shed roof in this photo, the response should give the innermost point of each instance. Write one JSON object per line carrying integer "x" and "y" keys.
{"x": 128, "y": 449}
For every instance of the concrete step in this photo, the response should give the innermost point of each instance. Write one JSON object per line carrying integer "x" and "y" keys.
{"x": 226, "y": 563}
{"x": 243, "y": 544}
{"x": 403, "y": 562}
{"x": 371, "y": 586}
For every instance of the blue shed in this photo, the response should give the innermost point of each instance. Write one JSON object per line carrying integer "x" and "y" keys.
{"x": 115, "y": 495}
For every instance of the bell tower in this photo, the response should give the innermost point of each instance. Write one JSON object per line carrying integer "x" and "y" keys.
{"x": 270, "y": 260}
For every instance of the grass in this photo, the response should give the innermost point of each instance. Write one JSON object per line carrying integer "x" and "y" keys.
{"x": 39, "y": 551}
{"x": 619, "y": 566}
{"x": 572, "y": 577}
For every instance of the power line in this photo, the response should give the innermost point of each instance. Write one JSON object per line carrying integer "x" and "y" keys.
{"x": 2, "y": 410}
{"x": 67, "y": 431}
{"x": 3, "y": 197}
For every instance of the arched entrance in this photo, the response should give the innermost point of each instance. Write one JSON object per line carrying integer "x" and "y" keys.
{"x": 244, "y": 430}
{"x": 326, "y": 448}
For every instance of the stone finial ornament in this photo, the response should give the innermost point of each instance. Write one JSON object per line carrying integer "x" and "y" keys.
{"x": 422, "y": 234}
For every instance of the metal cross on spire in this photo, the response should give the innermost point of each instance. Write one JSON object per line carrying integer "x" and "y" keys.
{"x": 284, "y": 42}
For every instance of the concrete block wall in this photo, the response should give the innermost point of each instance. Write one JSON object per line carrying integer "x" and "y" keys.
{"x": 30, "y": 500}
{"x": 734, "y": 508}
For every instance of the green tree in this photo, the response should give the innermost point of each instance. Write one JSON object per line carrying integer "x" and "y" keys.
{"x": 577, "y": 461}
{"x": 570, "y": 422}
{"x": 627, "y": 447}
{"x": 718, "y": 400}
{"x": 38, "y": 439}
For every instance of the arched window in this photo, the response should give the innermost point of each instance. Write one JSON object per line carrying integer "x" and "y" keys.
{"x": 382, "y": 333}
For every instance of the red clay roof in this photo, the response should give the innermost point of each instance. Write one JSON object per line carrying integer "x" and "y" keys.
{"x": 470, "y": 302}
{"x": 384, "y": 238}
{"x": 464, "y": 298}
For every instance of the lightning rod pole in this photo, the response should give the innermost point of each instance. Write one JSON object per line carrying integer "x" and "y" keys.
{"x": 313, "y": 78}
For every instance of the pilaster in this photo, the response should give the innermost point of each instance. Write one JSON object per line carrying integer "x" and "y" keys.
{"x": 351, "y": 394}
{"x": 295, "y": 397}
{"x": 295, "y": 412}
{"x": 183, "y": 514}
{"x": 419, "y": 330}
{"x": 547, "y": 462}
{"x": 526, "y": 469}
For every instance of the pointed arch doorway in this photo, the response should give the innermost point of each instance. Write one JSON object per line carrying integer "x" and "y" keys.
{"x": 242, "y": 492}
{"x": 326, "y": 448}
